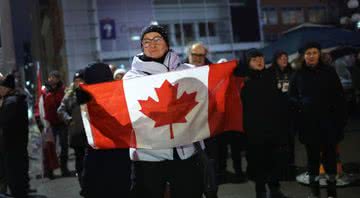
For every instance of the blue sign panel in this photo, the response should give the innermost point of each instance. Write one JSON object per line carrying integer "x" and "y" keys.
{"x": 107, "y": 29}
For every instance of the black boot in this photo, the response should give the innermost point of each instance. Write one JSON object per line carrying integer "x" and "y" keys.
{"x": 314, "y": 188}
{"x": 331, "y": 187}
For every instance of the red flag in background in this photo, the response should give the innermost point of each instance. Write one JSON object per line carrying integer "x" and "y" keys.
{"x": 163, "y": 110}
{"x": 38, "y": 89}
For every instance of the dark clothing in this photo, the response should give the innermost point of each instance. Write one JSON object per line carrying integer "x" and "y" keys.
{"x": 60, "y": 131}
{"x": 69, "y": 111}
{"x": 14, "y": 123}
{"x": 266, "y": 133}
{"x": 319, "y": 105}
{"x": 17, "y": 173}
{"x": 151, "y": 178}
{"x": 283, "y": 81}
{"x": 264, "y": 164}
{"x": 106, "y": 173}
{"x": 237, "y": 142}
{"x": 327, "y": 158}
{"x": 79, "y": 163}
{"x": 261, "y": 105}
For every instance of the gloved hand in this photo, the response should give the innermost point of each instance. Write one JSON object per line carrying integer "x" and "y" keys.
{"x": 82, "y": 96}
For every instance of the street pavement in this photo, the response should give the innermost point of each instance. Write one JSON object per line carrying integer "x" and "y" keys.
{"x": 68, "y": 187}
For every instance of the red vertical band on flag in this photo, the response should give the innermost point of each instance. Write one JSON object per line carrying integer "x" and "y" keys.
{"x": 109, "y": 117}
{"x": 38, "y": 90}
{"x": 224, "y": 111}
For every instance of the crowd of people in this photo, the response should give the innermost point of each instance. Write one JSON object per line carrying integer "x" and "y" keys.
{"x": 279, "y": 102}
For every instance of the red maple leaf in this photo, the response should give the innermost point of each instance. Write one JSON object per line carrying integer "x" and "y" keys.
{"x": 169, "y": 109}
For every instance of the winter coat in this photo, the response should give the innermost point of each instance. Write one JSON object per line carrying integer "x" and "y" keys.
{"x": 14, "y": 122}
{"x": 140, "y": 68}
{"x": 261, "y": 103}
{"x": 69, "y": 112}
{"x": 282, "y": 83}
{"x": 318, "y": 102}
{"x": 52, "y": 99}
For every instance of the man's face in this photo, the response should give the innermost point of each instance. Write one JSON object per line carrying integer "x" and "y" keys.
{"x": 154, "y": 45}
{"x": 53, "y": 81}
{"x": 197, "y": 55}
{"x": 312, "y": 56}
{"x": 257, "y": 63}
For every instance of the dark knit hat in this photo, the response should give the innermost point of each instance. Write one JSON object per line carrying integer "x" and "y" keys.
{"x": 8, "y": 82}
{"x": 309, "y": 45}
{"x": 97, "y": 73}
{"x": 79, "y": 74}
{"x": 155, "y": 28}
{"x": 55, "y": 74}
{"x": 252, "y": 53}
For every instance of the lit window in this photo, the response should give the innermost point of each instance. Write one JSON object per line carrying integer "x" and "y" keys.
{"x": 292, "y": 15}
{"x": 270, "y": 16}
{"x": 316, "y": 14}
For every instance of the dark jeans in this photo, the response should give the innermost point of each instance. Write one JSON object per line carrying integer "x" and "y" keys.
{"x": 185, "y": 178}
{"x": 79, "y": 163}
{"x": 62, "y": 132}
{"x": 237, "y": 143}
{"x": 16, "y": 165}
{"x": 328, "y": 158}
{"x": 106, "y": 173}
{"x": 264, "y": 165}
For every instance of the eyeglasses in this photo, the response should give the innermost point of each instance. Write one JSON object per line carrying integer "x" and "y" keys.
{"x": 198, "y": 55}
{"x": 155, "y": 40}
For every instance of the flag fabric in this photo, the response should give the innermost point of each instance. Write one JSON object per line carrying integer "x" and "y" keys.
{"x": 163, "y": 110}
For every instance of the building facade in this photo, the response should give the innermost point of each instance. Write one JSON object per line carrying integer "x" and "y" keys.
{"x": 278, "y": 16}
{"x": 109, "y": 30}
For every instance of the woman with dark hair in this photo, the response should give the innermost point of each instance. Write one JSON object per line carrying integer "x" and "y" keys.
{"x": 318, "y": 99}
{"x": 282, "y": 71}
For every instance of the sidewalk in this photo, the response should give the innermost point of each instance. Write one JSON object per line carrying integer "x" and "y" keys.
{"x": 349, "y": 148}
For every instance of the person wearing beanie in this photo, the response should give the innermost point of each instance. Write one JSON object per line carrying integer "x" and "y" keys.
{"x": 260, "y": 97}
{"x": 14, "y": 125}
{"x": 112, "y": 167}
{"x": 319, "y": 104}
{"x": 119, "y": 74}
{"x": 52, "y": 95}
{"x": 69, "y": 112}
{"x": 155, "y": 168}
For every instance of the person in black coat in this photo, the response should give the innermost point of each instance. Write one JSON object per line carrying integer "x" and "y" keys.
{"x": 14, "y": 123}
{"x": 265, "y": 136}
{"x": 319, "y": 106}
{"x": 106, "y": 172}
{"x": 283, "y": 71}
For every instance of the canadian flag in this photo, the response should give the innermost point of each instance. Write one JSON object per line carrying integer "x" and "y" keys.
{"x": 164, "y": 110}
